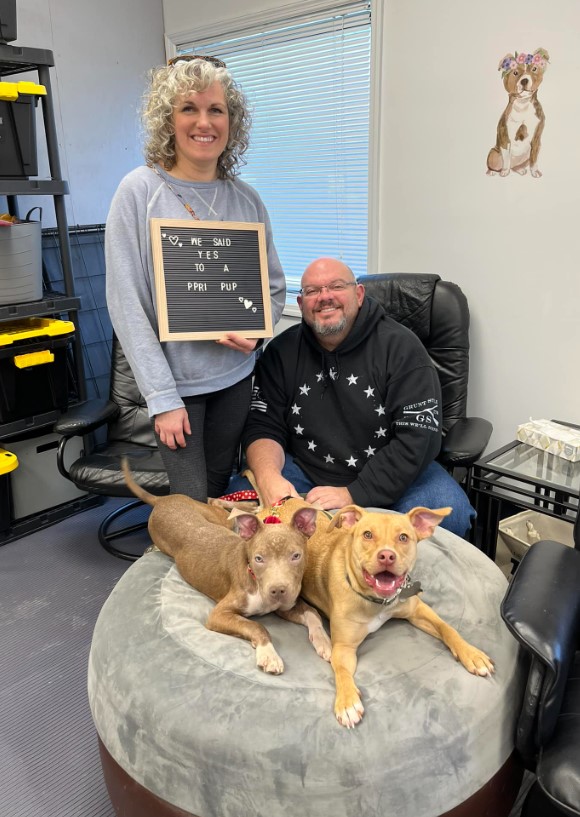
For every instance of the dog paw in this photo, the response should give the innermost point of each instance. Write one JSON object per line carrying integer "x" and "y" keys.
{"x": 321, "y": 643}
{"x": 349, "y": 716}
{"x": 268, "y": 659}
{"x": 536, "y": 174}
{"x": 505, "y": 172}
{"x": 477, "y": 662}
{"x": 490, "y": 173}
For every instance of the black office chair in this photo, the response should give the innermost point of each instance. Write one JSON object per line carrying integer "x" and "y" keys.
{"x": 438, "y": 313}
{"x": 129, "y": 434}
{"x": 542, "y": 610}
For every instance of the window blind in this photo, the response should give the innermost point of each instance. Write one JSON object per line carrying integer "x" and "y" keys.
{"x": 307, "y": 80}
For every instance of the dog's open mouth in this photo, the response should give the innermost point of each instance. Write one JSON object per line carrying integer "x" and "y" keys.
{"x": 384, "y": 584}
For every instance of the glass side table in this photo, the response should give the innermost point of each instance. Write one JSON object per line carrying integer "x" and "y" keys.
{"x": 526, "y": 477}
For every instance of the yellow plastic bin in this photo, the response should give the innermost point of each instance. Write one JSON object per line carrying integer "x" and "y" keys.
{"x": 8, "y": 463}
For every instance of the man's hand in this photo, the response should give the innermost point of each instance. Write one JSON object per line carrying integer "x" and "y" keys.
{"x": 329, "y": 497}
{"x": 172, "y": 426}
{"x": 236, "y": 342}
{"x": 275, "y": 488}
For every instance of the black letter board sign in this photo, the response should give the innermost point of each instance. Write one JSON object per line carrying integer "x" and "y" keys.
{"x": 211, "y": 277}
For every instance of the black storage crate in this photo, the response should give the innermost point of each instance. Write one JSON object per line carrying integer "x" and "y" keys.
{"x": 18, "y": 156}
{"x": 33, "y": 367}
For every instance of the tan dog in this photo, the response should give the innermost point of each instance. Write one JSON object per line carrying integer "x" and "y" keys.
{"x": 254, "y": 569}
{"x": 357, "y": 574}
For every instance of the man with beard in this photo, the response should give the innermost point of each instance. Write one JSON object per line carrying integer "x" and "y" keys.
{"x": 345, "y": 408}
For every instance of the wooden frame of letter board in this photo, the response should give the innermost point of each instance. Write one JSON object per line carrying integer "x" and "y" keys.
{"x": 157, "y": 224}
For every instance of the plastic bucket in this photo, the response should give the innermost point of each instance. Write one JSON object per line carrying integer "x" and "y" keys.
{"x": 21, "y": 261}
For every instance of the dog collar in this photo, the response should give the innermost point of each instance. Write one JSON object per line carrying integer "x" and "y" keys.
{"x": 406, "y": 590}
{"x": 240, "y": 496}
{"x": 273, "y": 517}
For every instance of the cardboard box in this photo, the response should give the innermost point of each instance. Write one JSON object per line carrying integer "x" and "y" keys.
{"x": 554, "y": 438}
{"x": 520, "y": 531}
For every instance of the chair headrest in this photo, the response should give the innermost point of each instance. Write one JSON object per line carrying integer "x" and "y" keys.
{"x": 405, "y": 297}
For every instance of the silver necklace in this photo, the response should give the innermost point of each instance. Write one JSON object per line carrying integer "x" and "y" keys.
{"x": 188, "y": 206}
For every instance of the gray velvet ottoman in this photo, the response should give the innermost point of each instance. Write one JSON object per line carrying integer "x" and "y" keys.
{"x": 189, "y": 725}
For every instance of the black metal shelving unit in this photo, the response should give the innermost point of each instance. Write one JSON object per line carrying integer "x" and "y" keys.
{"x": 16, "y": 60}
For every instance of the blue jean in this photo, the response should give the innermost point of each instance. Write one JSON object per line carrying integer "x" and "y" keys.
{"x": 435, "y": 488}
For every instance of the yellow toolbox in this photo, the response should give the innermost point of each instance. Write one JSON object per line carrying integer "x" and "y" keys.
{"x": 33, "y": 367}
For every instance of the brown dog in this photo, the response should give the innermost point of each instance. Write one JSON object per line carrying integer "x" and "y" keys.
{"x": 256, "y": 568}
{"x": 519, "y": 130}
{"x": 357, "y": 574}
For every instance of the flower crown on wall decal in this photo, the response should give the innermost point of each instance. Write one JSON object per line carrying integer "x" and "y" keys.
{"x": 539, "y": 58}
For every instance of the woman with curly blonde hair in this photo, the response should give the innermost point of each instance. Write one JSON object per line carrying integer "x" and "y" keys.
{"x": 197, "y": 124}
{"x": 175, "y": 80}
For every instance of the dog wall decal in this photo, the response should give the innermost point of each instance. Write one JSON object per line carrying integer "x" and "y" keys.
{"x": 519, "y": 130}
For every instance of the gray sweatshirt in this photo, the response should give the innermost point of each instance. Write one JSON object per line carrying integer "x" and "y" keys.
{"x": 166, "y": 372}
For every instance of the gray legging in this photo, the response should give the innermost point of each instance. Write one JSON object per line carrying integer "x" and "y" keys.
{"x": 202, "y": 469}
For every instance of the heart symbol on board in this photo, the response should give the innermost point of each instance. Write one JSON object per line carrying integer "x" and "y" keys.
{"x": 174, "y": 239}
{"x": 247, "y": 303}
{"x": 180, "y": 244}
{"x": 163, "y": 235}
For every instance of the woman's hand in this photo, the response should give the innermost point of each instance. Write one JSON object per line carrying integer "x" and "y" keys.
{"x": 172, "y": 426}
{"x": 239, "y": 344}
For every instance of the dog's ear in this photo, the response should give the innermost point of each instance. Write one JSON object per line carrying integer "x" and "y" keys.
{"x": 545, "y": 57}
{"x": 304, "y": 520}
{"x": 346, "y": 517}
{"x": 424, "y": 520}
{"x": 246, "y": 525}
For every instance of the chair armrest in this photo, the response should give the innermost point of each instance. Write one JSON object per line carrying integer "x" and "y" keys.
{"x": 542, "y": 611}
{"x": 542, "y": 604}
{"x": 465, "y": 442}
{"x": 86, "y": 417}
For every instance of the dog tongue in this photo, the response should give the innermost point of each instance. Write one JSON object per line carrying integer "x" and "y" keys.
{"x": 385, "y": 584}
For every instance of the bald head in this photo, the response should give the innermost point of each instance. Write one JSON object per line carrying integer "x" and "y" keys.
{"x": 328, "y": 267}
{"x": 330, "y": 300}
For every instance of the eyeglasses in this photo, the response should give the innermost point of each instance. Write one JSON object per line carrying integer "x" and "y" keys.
{"x": 334, "y": 286}
{"x": 189, "y": 57}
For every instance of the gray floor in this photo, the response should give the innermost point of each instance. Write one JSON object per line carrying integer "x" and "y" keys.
{"x": 52, "y": 585}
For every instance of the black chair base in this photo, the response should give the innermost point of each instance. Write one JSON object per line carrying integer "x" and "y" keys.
{"x": 107, "y": 536}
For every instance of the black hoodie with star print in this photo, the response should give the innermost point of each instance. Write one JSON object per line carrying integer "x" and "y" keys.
{"x": 365, "y": 416}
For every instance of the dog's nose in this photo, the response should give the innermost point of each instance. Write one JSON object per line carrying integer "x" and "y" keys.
{"x": 525, "y": 80}
{"x": 387, "y": 557}
{"x": 278, "y": 591}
